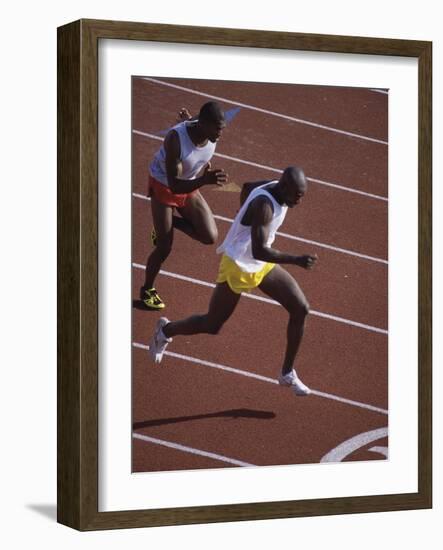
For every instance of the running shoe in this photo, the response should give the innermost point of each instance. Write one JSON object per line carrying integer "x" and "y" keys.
{"x": 153, "y": 237}
{"x": 151, "y": 299}
{"x": 293, "y": 381}
{"x": 159, "y": 341}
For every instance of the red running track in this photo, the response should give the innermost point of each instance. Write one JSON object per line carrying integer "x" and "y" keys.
{"x": 218, "y": 395}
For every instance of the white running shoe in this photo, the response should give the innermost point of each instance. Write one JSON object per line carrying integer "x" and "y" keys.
{"x": 159, "y": 342}
{"x": 293, "y": 381}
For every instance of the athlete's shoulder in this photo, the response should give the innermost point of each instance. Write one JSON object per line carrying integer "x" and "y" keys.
{"x": 172, "y": 140}
{"x": 262, "y": 208}
{"x": 249, "y": 187}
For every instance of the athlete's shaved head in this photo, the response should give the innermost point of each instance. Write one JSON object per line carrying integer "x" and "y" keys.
{"x": 295, "y": 176}
{"x": 211, "y": 112}
{"x": 211, "y": 121}
{"x": 293, "y": 185}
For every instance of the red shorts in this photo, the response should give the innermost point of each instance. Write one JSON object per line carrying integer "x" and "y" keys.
{"x": 164, "y": 195}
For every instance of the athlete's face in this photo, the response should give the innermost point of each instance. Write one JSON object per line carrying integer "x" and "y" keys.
{"x": 293, "y": 191}
{"x": 214, "y": 129}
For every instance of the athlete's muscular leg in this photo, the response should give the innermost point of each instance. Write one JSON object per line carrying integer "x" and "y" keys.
{"x": 283, "y": 288}
{"x": 221, "y": 307}
{"x": 197, "y": 220}
{"x": 162, "y": 218}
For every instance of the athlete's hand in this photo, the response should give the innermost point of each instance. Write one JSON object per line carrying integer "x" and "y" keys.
{"x": 183, "y": 115}
{"x": 307, "y": 261}
{"x": 214, "y": 177}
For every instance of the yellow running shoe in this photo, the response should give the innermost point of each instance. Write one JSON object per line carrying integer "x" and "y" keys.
{"x": 151, "y": 299}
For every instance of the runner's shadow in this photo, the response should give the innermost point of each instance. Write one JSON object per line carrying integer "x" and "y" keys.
{"x": 234, "y": 413}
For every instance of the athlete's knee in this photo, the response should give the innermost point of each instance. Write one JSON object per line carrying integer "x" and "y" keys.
{"x": 304, "y": 308}
{"x": 163, "y": 249}
{"x": 210, "y": 236}
{"x": 214, "y": 326}
{"x": 300, "y": 309}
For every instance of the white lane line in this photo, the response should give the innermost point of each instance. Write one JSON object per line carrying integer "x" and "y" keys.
{"x": 191, "y": 450}
{"x": 353, "y": 444}
{"x": 316, "y": 313}
{"x": 334, "y": 248}
{"x": 277, "y": 170}
{"x": 386, "y": 92}
{"x": 351, "y": 190}
{"x": 315, "y": 180}
{"x": 249, "y": 374}
{"x": 267, "y": 112}
{"x": 350, "y": 402}
{"x": 269, "y": 301}
{"x": 294, "y": 238}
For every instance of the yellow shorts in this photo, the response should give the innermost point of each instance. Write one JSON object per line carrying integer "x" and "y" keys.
{"x": 240, "y": 281}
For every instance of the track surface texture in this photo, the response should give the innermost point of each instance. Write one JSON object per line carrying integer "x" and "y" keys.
{"x": 214, "y": 401}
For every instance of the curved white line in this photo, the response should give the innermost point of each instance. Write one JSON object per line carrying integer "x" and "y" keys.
{"x": 381, "y": 450}
{"x": 353, "y": 444}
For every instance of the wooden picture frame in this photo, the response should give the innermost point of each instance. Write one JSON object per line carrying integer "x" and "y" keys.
{"x": 77, "y": 459}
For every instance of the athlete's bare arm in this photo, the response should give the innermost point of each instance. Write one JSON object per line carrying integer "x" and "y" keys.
{"x": 260, "y": 213}
{"x": 174, "y": 169}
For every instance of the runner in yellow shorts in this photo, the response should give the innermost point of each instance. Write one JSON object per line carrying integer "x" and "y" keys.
{"x": 250, "y": 262}
{"x": 240, "y": 281}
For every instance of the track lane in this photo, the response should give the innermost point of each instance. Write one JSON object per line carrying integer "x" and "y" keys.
{"x": 264, "y": 419}
{"x": 344, "y": 360}
{"x": 328, "y": 157}
{"x": 340, "y": 285}
{"x": 156, "y": 458}
{"x": 333, "y": 358}
{"x": 322, "y": 216}
{"x": 344, "y": 108}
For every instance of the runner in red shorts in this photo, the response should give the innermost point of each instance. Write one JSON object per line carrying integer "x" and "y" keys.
{"x": 174, "y": 184}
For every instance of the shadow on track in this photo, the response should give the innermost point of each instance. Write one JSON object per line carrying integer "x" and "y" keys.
{"x": 234, "y": 413}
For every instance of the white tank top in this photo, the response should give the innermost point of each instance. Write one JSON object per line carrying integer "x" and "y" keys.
{"x": 192, "y": 158}
{"x": 238, "y": 244}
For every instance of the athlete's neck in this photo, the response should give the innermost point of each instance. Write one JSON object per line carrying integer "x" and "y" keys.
{"x": 275, "y": 192}
{"x": 196, "y": 135}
